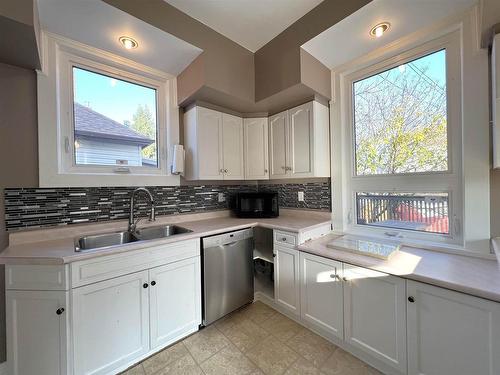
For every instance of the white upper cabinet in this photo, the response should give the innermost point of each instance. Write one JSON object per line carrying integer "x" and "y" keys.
{"x": 214, "y": 145}
{"x": 495, "y": 105}
{"x": 232, "y": 147}
{"x": 255, "y": 135}
{"x": 451, "y": 333}
{"x": 299, "y": 142}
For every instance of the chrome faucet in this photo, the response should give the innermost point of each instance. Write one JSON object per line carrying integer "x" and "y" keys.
{"x": 152, "y": 217}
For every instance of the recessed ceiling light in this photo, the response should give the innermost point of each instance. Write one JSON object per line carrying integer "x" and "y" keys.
{"x": 378, "y": 30}
{"x": 128, "y": 42}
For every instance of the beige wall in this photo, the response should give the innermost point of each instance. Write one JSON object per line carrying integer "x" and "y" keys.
{"x": 18, "y": 149}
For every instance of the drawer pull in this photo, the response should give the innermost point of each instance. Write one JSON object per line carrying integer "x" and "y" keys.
{"x": 145, "y": 285}
{"x": 60, "y": 310}
{"x": 153, "y": 283}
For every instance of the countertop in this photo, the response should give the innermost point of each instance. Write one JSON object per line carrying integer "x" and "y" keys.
{"x": 474, "y": 276}
{"x": 27, "y": 247}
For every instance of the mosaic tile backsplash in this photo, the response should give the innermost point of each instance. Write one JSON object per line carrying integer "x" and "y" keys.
{"x": 37, "y": 207}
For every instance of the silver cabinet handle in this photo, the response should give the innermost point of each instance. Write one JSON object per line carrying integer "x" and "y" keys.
{"x": 265, "y": 170}
{"x": 225, "y": 170}
{"x": 284, "y": 168}
{"x": 221, "y": 170}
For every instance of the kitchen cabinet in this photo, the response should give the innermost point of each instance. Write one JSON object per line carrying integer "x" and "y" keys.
{"x": 103, "y": 313}
{"x": 175, "y": 293}
{"x": 256, "y": 160}
{"x": 37, "y": 326}
{"x": 299, "y": 142}
{"x": 375, "y": 316}
{"x": 451, "y": 333}
{"x": 495, "y": 98}
{"x": 286, "y": 279}
{"x": 214, "y": 145}
{"x": 110, "y": 323}
{"x": 321, "y": 295}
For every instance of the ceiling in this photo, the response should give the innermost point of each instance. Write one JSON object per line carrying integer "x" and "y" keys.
{"x": 250, "y": 23}
{"x": 349, "y": 38}
{"x": 157, "y": 49}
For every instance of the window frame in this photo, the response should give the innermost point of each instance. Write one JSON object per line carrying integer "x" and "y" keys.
{"x": 69, "y": 61}
{"x": 449, "y": 181}
{"x": 55, "y": 116}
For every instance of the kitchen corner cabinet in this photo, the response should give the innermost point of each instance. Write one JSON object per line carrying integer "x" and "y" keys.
{"x": 255, "y": 135}
{"x": 375, "y": 316}
{"x": 451, "y": 333}
{"x": 214, "y": 145}
{"x": 321, "y": 295}
{"x": 299, "y": 142}
{"x": 103, "y": 314}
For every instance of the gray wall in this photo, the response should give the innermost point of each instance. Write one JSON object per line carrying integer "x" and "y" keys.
{"x": 18, "y": 149}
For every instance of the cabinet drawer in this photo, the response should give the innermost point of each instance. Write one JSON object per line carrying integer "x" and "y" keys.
{"x": 284, "y": 238}
{"x": 43, "y": 277}
{"x": 103, "y": 268}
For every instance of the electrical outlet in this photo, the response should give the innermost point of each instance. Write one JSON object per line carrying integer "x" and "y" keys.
{"x": 301, "y": 196}
{"x": 221, "y": 197}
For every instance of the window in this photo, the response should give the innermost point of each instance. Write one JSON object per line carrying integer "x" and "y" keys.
{"x": 114, "y": 121}
{"x": 403, "y": 120}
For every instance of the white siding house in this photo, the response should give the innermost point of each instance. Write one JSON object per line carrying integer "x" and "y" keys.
{"x": 100, "y": 140}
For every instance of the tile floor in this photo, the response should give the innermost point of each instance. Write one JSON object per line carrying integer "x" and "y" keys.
{"x": 254, "y": 340}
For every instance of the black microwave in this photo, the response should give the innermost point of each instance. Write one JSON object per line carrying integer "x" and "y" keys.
{"x": 261, "y": 204}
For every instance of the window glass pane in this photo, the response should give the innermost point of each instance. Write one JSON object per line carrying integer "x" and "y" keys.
{"x": 115, "y": 121}
{"x": 400, "y": 119}
{"x": 423, "y": 212}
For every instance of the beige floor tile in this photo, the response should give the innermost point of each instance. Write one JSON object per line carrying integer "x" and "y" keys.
{"x": 343, "y": 363}
{"x": 183, "y": 366}
{"x": 281, "y": 327}
{"x": 302, "y": 367}
{"x": 164, "y": 358}
{"x": 312, "y": 347}
{"x": 243, "y": 333}
{"x": 229, "y": 361}
{"x": 272, "y": 356}
{"x": 257, "y": 312}
{"x": 205, "y": 343}
{"x": 136, "y": 370}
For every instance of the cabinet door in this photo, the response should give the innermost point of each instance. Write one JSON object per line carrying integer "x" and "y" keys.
{"x": 451, "y": 333}
{"x": 375, "y": 315}
{"x": 286, "y": 279}
{"x": 278, "y": 145}
{"x": 321, "y": 294}
{"x": 111, "y": 323}
{"x": 209, "y": 144}
{"x": 232, "y": 145}
{"x": 175, "y": 301}
{"x": 256, "y": 148}
{"x": 301, "y": 141}
{"x": 37, "y": 330}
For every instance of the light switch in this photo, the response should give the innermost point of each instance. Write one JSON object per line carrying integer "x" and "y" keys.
{"x": 301, "y": 196}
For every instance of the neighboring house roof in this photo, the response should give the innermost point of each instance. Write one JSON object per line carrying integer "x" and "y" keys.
{"x": 89, "y": 123}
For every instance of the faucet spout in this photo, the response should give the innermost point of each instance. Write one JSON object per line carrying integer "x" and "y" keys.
{"x": 131, "y": 220}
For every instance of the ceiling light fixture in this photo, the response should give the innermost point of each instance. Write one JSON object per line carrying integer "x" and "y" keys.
{"x": 128, "y": 42}
{"x": 378, "y": 30}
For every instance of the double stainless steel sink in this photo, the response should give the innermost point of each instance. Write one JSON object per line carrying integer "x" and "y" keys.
{"x": 98, "y": 241}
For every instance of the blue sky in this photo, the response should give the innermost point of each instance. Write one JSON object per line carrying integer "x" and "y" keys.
{"x": 112, "y": 97}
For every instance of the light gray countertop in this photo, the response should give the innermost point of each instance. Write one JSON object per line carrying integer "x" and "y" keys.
{"x": 475, "y": 276}
{"x": 56, "y": 246}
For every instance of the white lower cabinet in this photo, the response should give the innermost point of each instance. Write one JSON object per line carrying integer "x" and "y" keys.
{"x": 451, "y": 333}
{"x": 286, "y": 279}
{"x": 110, "y": 323}
{"x": 175, "y": 296}
{"x": 114, "y": 310}
{"x": 375, "y": 316}
{"x": 37, "y": 327}
{"x": 321, "y": 299}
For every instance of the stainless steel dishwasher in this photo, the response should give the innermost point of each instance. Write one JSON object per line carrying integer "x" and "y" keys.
{"x": 227, "y": 273}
